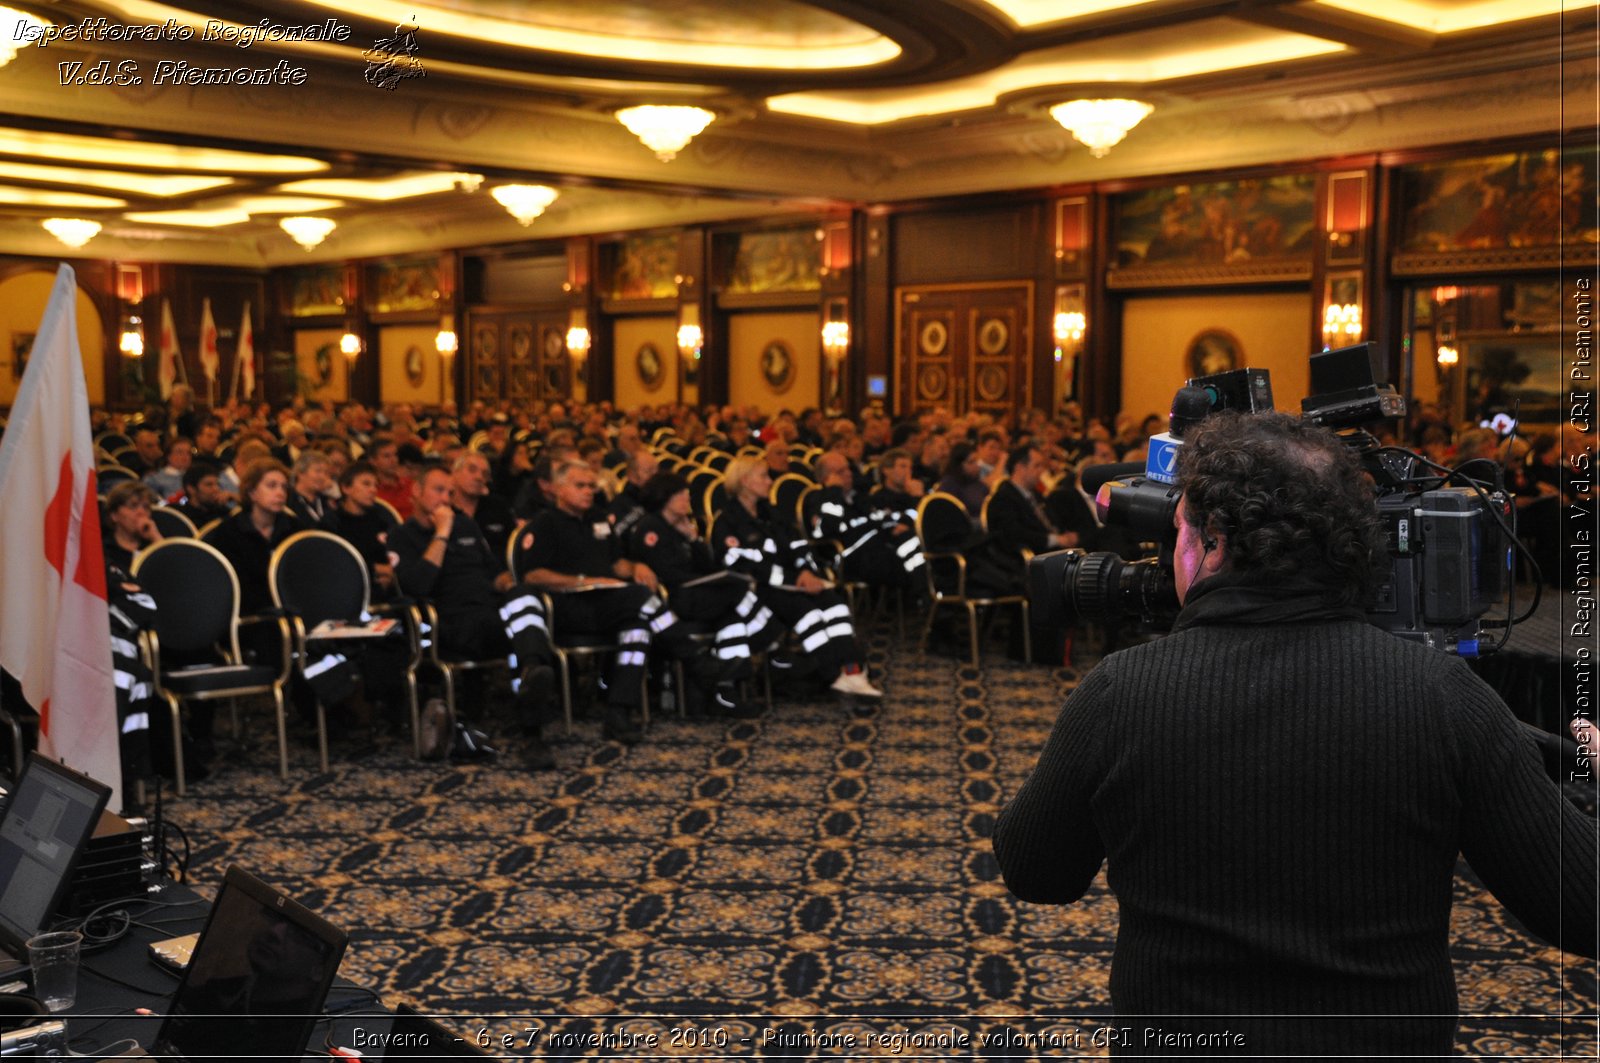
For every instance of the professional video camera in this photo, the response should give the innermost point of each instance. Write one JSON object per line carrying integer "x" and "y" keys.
{"x": 1449, "y": 546}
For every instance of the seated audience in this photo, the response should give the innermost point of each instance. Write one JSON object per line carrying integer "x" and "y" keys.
{"x": 168, "y": 480}
{"x": 962, "y": 479}
{"x": 441, "y": 555}
{"x": 308, "y": 489}
{"x": 787, "y": 578}
{"x": 365, "y": 525}
{"x": 569, "y": 549}
{"x": 203, "y": 499}
{"x": 876, "y": 545}
{"x": 470, "y": 493}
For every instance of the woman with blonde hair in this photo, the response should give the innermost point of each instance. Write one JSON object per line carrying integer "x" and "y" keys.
{"x": 778, "y": 560}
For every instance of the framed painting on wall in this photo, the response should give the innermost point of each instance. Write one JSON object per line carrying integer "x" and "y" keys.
{"x": 647, "y": 361}
{"x": 777, "y": 365}
{"x": 414, "y": 365}
{"x": 1213, "y": 350}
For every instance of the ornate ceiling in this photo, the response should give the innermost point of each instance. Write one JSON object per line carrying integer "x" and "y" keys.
{"x": 820, "y": 104}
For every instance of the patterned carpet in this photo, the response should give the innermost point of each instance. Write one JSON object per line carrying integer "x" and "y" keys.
{"x": 812, "y": 883}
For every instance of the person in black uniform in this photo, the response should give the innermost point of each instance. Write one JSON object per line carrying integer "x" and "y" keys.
{"x": 666, "y": 539}
{"x": 569, "y": 549}
{"x": 127, "y": 530}
{"x": 876, "y": 545}
{"x": 440, "y": 554}
{"x": 786, "y": 578}
{"x": 365, "y": 525}
{"x": 469, "y": 493}
{"x": 900, "y": 492}
{"x": 628, "y": 507}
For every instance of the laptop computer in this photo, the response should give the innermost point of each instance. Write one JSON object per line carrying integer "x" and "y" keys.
{"x": 46, "y": 824}
{"x": 257, "y": 980}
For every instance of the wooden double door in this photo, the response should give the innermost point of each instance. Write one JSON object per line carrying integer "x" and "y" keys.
{"x": 965, "y": 347}
{"x": 519, "y": 355}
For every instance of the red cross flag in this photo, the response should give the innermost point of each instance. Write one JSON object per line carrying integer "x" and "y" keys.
{"x": 171, "y": 366}
{"x": 55, "y": 635}
{"x": 246, "y": 358}
{"x": 209, "y": 360}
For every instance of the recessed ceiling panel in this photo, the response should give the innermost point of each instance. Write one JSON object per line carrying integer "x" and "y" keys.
{"x": 1027, "y": 13}
{"x": 145, "y": 184}
{"x": 775, "y": 34}
{"x": 40, "y": 197}
{"x": 400, "y": 186}
{"x": 1133, "y": 59}
{"x": 70, "y": 147}
{"x": 1452, "y": 16}
{"x": 196, "y": 219}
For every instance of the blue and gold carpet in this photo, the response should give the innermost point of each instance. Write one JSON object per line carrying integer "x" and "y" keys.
{"x": 813, "y": 883}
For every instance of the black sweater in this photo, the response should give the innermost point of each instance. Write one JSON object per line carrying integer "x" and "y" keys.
{"x": 1280, "y": 792}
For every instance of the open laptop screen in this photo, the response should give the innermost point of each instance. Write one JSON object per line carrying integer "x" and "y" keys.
{"x": 46, "y": 824}
{"x": 257, "y": 980}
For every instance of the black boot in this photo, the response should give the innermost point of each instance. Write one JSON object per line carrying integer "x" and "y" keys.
{"x": 619, "y": 726}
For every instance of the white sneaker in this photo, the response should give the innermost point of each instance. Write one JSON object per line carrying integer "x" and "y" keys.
{"x": 856, "y": 684}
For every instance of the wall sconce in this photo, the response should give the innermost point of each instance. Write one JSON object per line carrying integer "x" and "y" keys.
{"x": 578, "y": 335}
{"x": 1341, "y": 324}
{"x": 1448, "y": 355}
{"x": 1069, "y": 328}
{"x": 835, "y": 340}
{"x": 131, "y": 342}
{"x": 350, "y": 344}
{"x": 691, "y": 338}
{"x": 445, "y": 341}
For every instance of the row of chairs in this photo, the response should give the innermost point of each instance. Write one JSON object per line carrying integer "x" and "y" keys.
{"x": 315, "y": 576}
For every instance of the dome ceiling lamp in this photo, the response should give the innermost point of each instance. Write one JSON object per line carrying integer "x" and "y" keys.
{"x": 1100, "y": 124}
{"x": 17, "y": 26}
{"x": 665, "y": 129}
{"x": 74, "y": 232}
{"x": 307, "y": 231}
{"x": 525, "y": 202}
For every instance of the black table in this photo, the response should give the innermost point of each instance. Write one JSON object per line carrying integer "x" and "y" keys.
{"x": 123, "y": 993}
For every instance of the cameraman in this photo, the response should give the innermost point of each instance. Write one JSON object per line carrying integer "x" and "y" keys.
{"x": 1281, "y": 789}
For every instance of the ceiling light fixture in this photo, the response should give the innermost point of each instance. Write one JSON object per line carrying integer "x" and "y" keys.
{"x": 18, "y": 26}
{"x": 74, "y": 232}
{"x": 307, "y": 231}
{"x": 1100, "y": 124}
{"x": 665, "y": 130}
{"x": 525, "y": 202}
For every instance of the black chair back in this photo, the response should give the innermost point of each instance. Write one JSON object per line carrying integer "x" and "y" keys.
{"x": 712, "y": 499}
{"x": 785, "y": 496}
{"x": 172, "y": 524}
{"x": 108, "y": 476}
{"x": 807, "y": 509}
{"x": 701, "y": 479}
{"x": 317, "y": 576}
{"x": 196, "y": 594}
{"x": 111, "y": 442}
{"x": 942, "y": 522}
{"x": 718, "y": 460}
